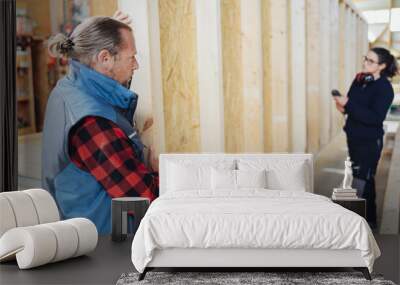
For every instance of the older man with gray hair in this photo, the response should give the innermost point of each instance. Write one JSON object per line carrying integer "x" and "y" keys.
{"x": 91, "y": 149}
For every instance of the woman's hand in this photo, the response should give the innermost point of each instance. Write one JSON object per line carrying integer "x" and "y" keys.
{"x": 341, "y": 100}
{"x": 340, "y": 108}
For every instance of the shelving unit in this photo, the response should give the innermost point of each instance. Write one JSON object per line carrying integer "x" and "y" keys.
{"x": 24, "y": 86}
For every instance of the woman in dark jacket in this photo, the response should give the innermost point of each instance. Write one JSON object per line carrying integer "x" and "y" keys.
{"x": 366, "y": 106}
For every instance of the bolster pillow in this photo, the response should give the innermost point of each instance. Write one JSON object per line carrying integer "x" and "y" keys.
{"x": 32, "y": 233}
{"x": 45, "y": 243}
{"x": 26, "y": 208}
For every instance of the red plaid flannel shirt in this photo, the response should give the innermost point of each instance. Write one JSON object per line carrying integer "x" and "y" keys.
{"x": 100, "y": 147}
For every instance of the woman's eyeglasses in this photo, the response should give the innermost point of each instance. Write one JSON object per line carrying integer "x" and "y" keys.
{"x": 369, "y": 61}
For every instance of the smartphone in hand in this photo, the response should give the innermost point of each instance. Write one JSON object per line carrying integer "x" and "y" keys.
{"x": 335, "y": 93}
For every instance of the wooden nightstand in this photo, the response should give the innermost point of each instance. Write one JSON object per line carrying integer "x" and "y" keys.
{"x": 358, "y": 205}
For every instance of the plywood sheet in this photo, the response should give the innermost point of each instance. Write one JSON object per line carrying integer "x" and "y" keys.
{"x": 232, "y": 75}
{"x": 179, "y": 75}
{"x": 276, "y": 75}
{"x": 297, "y": 68}
{"x": 313, "y": 76}
{"x": 103, "y": 7}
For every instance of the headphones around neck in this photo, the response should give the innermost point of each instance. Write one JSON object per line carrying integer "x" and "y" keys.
{"x": 364, "y": 78}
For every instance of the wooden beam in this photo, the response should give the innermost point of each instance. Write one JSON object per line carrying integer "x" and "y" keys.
{"x": 313, "y": 76}
{"x": 210, "y": 80}
{"x": 179, "y": 75}
{"x": 348, "y": 55}
{"x": 336, "y": 117}
{"x": 325, "y": 71}
{"x": 390, "y": 20}
{"x": 354, "y": 59}
{"x": 297, "y": 81}
{"x": 358, "y": 44}
{"x": 366, "y": 40}
{"x": 276, "y": 77}
{"x": 342, "y": 47}
{"x": 232, "y": 75}
{"x": 250, "y": 19}
{"x": 350, "y": 5}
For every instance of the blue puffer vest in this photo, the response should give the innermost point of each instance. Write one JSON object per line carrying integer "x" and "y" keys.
{"x": 83, "y": 92}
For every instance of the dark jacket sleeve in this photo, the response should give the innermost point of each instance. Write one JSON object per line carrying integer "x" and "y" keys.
{"x": 375, "y": 114}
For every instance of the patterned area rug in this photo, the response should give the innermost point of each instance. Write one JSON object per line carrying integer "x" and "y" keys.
{"x": 231, "y": 278}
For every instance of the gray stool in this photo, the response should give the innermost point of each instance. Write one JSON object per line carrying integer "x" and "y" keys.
{"x": 119, "y": 215}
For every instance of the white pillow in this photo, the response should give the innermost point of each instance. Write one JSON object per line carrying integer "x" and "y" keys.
{"x": 183, "y": 177}
{"x": 282, "y": 174}
{"x": 251, "y": 178}
{"x": 294, "y": 180}
{"x": 189, "y": 175}
{"x": 236, "y": 179}
{"x": 223, "y": 179}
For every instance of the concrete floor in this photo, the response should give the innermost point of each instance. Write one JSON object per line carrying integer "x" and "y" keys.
{"x": 388, "y": 264}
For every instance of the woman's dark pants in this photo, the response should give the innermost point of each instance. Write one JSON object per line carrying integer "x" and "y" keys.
{"x": 365, "y": 155}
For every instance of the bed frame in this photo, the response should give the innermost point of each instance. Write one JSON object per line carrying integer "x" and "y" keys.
{"x": 243, "y": 259}
{"x": 251, "y": 258}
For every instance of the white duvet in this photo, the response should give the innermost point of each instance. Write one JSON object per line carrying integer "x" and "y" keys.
{"x": 251, "y": 218}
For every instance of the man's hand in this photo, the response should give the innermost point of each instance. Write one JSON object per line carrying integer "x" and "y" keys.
{"x": 122, "y": 17}
{"x": 147, "y": 125}
{"x": 152, "y": 160}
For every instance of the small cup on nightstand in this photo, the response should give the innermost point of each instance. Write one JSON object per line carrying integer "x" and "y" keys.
{"x": 121, "y": 209}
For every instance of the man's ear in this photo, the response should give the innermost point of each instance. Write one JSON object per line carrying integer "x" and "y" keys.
{"x": 105, "y": 59}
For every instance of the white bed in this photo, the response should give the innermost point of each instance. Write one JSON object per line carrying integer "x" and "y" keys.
{"x": 198, "y": 223}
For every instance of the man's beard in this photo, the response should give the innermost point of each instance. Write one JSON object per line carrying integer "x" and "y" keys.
{"x": 127, "y": 83}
